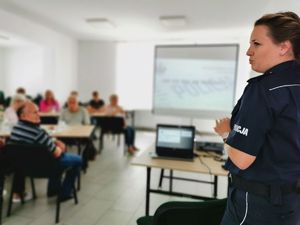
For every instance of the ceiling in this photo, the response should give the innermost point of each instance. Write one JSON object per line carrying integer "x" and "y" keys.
{"x": 139, "y": 19}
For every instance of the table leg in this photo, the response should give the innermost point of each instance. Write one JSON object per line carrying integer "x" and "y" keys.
{"x": 78, "y": 147}
{"x": 101, "y": 141}
{"x": 215, "y": 186}
{"x": 1, "y": 195}
{"x": 171, "y": 181}
{"x": 132, "y": 119}
{"x": 84, "y": 154}
{"x": 148, "y": 190}
{"x": 228, "y": 183}
{"x": 161, "y": 178}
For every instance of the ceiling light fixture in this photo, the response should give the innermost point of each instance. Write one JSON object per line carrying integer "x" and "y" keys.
{"x": 100, "y": 23}
{"x": 173, "y": 21}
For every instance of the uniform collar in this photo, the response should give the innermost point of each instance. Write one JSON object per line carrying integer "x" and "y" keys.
{"x": 275, "y": 69}
{"x": 280, "y": 67}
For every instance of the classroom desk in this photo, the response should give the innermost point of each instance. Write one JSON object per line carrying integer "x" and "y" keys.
{"x": 199, "y": 165}
{"x": 77, "y": 134}
{"x": 80, "y": 134}
{"x": 52, "y": 114}
{"x": 74, "y": 131}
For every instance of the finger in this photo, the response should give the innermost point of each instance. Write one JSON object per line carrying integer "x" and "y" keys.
{"x": 217, "y": 122}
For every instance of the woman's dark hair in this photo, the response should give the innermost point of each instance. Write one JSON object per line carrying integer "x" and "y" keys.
{"x": 95, "y": 93}
{"x": 283, "y": 26}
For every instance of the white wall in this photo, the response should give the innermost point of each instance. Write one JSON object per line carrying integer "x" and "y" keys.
{"x": 135, "y": 64}
{"x": 2, "y": 77}
{"x": 96, "y": 69}
{"x": 24, "y": 67}
{"x": 49, "y": 56}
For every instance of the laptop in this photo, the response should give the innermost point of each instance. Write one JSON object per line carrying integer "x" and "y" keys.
{"x": 174, "y": 142}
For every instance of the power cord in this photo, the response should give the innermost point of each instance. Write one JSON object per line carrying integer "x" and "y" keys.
{"x": 214, "y": 156}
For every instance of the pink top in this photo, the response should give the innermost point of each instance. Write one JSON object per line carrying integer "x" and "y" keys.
{"x": 46, "y": 106}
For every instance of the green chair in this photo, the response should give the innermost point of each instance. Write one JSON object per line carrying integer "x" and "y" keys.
{"x": 187, "y": 213}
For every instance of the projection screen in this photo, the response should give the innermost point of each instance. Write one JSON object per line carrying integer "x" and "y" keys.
{"x": 195, "y": 80}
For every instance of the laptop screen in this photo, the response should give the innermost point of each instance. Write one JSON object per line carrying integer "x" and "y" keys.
{"x": 172, "y": 139}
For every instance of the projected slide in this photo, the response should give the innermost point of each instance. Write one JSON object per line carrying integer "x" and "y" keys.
{"x": 174, "y": 138}
{"x": 169, "y": 136}
{"x": 194, "y": 82}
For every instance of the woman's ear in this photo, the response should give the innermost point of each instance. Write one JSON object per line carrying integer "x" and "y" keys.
{"x": 285, "y": 48}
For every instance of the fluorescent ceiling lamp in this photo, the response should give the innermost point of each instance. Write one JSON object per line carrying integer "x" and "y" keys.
{"x": 100, "y": 23}
{"x": 173, "y": 21}
{"x": 3, "y": 37}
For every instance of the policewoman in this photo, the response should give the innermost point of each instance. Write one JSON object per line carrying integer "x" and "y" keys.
{"x": 262, "y": 137}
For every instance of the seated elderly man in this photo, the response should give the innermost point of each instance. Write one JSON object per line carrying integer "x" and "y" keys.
{"x": 28, "y": 130}
{"x": 74, "y": 114}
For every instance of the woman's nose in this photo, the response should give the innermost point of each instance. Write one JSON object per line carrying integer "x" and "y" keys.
{"x": 249, "y": 52}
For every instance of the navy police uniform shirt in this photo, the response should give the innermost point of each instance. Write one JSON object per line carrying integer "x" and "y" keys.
{"x": 266, "y": 123}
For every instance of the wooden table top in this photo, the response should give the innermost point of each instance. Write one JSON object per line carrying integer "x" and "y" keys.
{"x": 199, "y": 165}
{"x": 76, "y": 131}
{"x": 49, "y": 114}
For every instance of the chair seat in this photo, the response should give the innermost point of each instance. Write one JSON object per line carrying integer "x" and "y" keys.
{"x": 191, "y": 213}
{"x": 145, "y": 220}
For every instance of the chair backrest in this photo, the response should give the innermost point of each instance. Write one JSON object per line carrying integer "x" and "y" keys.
{"x": 31, "y": 159}
{"x": 112, "y": 124}
{"x": 206, "y": 213}
{"x": 5, "y": 164}
{"x": 49, "y": 119}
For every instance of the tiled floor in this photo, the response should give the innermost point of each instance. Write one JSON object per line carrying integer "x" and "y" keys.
{"x": 112, "y": 193}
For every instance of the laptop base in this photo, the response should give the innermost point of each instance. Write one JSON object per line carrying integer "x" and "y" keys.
{"x": 153, "y": 155}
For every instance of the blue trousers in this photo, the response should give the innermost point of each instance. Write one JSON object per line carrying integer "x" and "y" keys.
{"x": 129, "y": 136}
{"x": 66, "y": 160}
{"x": 261, "y": 210}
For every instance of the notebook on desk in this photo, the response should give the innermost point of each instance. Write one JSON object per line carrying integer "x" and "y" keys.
{"x": 174, "y": 142}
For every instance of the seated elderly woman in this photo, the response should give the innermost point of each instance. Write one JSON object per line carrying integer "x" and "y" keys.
{"x": 113, "y": 109}
{"x": 49, "y": 103}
